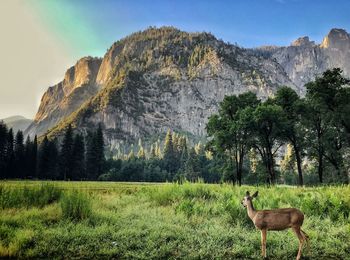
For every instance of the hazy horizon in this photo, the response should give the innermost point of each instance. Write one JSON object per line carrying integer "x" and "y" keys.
{"x": 44, "y": 38}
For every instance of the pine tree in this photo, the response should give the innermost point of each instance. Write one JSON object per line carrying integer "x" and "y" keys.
{"x": 184, "y": 153}
{"x": 10, "y": 157}
{"x": 153, "y": 153}
{"x": 43, "y": 159}
{"x": 158, "y": 150}
{"x": 66, "y": 154}
{"x": 169, "y": 153}
{"x": 176, "y": 139}
{"x": 34, "y": 157}
{"x": 199, "y": 148}
{"x": 192, "y": 167}
{"x": 141, "y": 153}
{"x": 90, "y": 156}
{"x": 131, "y": 155}
{"x": 27, "y": 156}
{"x": 19, "y": 155}
{"x": 78, "y": 171}
{"x": 99, "y": 144}
{"x": 3, "y": 144}
{"x": 177, "y": 143}
{"x": 95, "y": 159}
{"x": 47, "y": 160}
{"x": 54, "y": 159}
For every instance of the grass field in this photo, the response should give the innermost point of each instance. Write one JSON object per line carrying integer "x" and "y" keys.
{"x": 126, "y": 220}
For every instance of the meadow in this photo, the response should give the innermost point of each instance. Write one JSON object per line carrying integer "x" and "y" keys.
{"x": 144, "y": 221}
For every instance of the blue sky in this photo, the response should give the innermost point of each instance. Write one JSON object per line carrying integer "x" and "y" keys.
{"x": 247, "y": 22}
{"x": 43, "y": 38}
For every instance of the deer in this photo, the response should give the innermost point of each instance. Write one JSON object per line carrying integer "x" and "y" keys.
{"x": 275, "y": 219}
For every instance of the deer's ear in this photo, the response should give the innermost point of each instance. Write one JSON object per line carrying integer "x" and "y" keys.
{"x": 255, "y": 194}
{"x": 247, "y": 193}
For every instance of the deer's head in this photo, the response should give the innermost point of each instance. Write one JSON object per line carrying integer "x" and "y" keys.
{"x": 247, "y": 198}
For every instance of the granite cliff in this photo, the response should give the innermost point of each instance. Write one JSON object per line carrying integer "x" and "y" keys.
{"x": 304, "y": 59}
{"x": 164, "y": 78}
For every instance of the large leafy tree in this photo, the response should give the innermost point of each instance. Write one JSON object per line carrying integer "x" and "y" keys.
{"x": 231, "y": 128}
{"x": 326, "y": 117}
{"x": 269, "y": 120}
{"x": 293, "y": 131}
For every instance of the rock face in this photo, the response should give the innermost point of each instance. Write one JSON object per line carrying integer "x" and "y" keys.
{"x": 303, "y": 59}
{"x": 155, "y": 80}
{"x": 303, "y": 41}
{"x": 337, "y": 39}
{"x": 165, "y": 78}
{"x": 61, "y": 100}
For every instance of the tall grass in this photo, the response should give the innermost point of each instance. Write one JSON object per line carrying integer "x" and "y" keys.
{"x": 322, "y": 202}
{"x": 187, "y": 221}
{"x": 75, "y": 205}
{"x": 28, "y": 196}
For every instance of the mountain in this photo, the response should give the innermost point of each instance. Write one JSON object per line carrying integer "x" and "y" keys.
{"x": 164, "y": 78}
{"x": 304, "y": 59}
{"x": 155, "y": 80}
{"x": 17, "y": 122}
{"x": 59, "y": 101}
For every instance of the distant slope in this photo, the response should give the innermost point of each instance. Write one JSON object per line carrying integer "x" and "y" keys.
{"x": 17, "y": 122}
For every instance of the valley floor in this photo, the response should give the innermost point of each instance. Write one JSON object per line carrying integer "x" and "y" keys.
{"x": 145, "y": 221}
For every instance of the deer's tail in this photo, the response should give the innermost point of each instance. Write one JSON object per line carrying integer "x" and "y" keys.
{"x": 306, "y": 237}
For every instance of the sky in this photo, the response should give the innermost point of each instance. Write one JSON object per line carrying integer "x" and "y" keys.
{"x": 41, "y": 39}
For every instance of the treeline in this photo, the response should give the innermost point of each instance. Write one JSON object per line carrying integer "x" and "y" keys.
{"x": 172, "y": 159}
{"x": 76, "y": 157}
{"x": 315, "y": 128}
{"x": 284, "y": 139}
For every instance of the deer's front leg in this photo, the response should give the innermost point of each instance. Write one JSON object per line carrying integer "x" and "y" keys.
{"x": 263, "y": 242}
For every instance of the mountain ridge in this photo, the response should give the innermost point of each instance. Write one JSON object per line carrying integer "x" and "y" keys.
{"x": 165, "y": 78}
{"x": 17, "y": 122}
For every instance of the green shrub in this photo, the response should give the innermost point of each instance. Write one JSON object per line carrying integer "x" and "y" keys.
{"x": 75, "y": 205}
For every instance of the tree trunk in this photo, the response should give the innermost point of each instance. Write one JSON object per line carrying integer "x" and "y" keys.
{"x": 240, "y": 170}
{"x": 238, "y": 173}
{"x": 298, "y": 158}
{"x": 271, "y": 169}
{"x": 320, "y": 167}
{"x": 239, "y": 177}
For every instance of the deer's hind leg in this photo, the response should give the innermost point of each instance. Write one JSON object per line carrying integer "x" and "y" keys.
{"x": 306, "y": 239}
{"x": 263, "y": 242}
{"x": 301, "y": 238}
